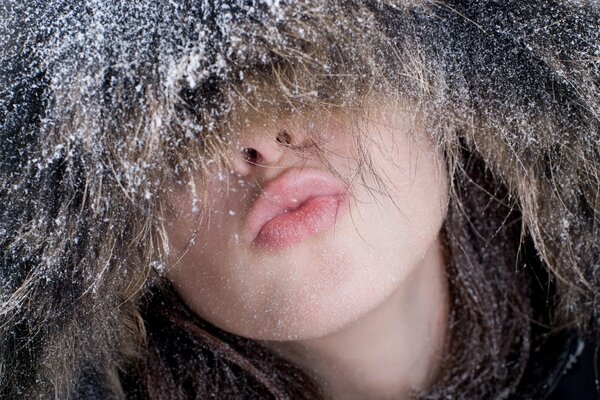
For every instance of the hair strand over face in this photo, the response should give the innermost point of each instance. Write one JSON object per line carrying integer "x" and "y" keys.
{"x": 103, "y": 106}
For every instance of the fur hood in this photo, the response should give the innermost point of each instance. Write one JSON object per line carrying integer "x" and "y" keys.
{"x": 102, "y": 104}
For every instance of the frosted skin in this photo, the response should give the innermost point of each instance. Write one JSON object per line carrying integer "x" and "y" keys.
{"x": 323, "y": 283}
{"x": 361, "y": 306}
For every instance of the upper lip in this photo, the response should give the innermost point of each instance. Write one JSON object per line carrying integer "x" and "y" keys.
{"x": 288, "y": 192}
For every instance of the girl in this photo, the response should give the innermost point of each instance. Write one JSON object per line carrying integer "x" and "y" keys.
{"x": 354, "y": 199}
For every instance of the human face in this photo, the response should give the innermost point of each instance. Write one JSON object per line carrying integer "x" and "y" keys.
{"x": 261, "y": 269}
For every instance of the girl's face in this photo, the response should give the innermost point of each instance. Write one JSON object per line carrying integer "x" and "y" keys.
{"x": 295, "y": 244}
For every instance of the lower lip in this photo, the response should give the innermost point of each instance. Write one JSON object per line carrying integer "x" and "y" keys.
{"x": 314, "y": 216}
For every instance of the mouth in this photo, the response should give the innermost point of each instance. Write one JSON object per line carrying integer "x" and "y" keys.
{"x": 296, "y": 205}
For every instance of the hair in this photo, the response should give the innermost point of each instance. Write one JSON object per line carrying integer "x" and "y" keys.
{"x": 104, "y": 105}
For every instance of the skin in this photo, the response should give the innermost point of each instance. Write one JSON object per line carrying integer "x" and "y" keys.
{"x": 361, "y": 306}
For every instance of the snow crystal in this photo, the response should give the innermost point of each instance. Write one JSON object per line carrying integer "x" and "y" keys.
{"x": 159, "y": 267}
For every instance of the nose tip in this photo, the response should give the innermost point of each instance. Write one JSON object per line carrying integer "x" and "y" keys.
{"x": 260, "y": 151}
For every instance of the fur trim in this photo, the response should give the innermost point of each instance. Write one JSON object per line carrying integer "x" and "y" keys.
{"x": 96, "y": 98}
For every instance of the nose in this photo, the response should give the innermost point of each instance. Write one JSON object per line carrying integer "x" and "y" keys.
{"x": 265, "y": 155}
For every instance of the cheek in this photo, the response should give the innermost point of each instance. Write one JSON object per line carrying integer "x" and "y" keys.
{"x": 215, "y": 274}
{"x": 407, "y": 195}
{"x": 213, "y": 220}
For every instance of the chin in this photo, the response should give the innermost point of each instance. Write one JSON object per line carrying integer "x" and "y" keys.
{"x": 315, "y": 302}
{"x": 309, "y": 319}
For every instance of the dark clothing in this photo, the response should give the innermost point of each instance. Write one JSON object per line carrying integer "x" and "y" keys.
{"x": 579, "y": 378}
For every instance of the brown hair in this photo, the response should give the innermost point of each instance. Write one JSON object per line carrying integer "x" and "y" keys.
{"x": 102, "y": 107}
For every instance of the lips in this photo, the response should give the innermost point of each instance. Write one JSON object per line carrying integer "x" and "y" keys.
{"x": 298, "y": 204}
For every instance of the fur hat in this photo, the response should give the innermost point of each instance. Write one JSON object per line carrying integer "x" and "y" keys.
{"x": 104, "y": 104}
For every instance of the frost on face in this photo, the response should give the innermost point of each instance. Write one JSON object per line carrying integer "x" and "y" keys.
{"x": 103, "y": 105}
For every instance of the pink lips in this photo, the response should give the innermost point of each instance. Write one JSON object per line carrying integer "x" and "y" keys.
{"x": 297, "y": 204}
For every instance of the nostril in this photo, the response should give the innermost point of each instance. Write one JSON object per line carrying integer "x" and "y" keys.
{"x": 251, "y": 155}
{"x": 283, "y": 137}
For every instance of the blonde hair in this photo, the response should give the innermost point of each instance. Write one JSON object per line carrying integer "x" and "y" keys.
{"x": 105, "y": 108}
